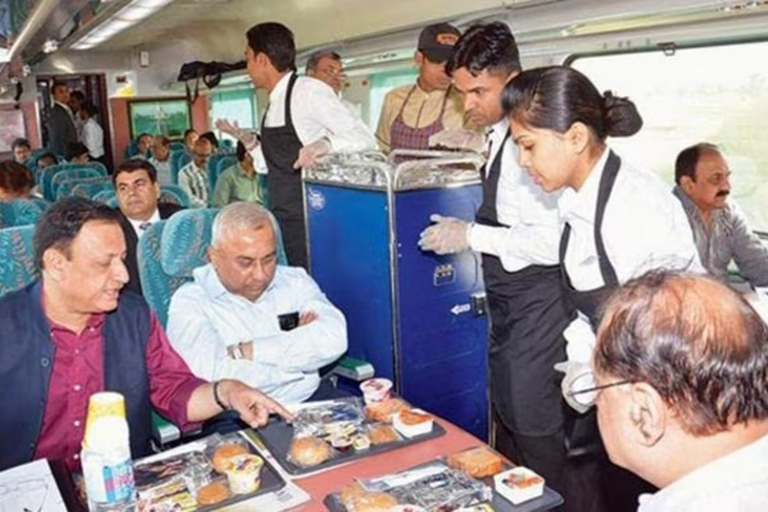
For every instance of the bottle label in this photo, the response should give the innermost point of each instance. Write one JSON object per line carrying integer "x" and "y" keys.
{"x": 118, "y": 482}
{"x": 108, "y": 480}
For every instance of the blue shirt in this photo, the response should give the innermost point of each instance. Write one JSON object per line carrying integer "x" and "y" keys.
{"x": 204, "y": 318}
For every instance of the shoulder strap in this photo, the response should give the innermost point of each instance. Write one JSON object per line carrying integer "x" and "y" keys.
{"x": 607, "y": 181}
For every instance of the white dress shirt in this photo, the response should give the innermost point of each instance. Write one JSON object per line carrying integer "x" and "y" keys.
{"x": 533, "y": 235}
{"x": 136, "y": 224}
{"x": 317, "y": 112}
{"x": 644, "y": 228}
{"x": 204, "y": 319}
{"x": 93, "y": 137}
{"x": 737, "y": 482}
{"x": 194, "y": 181}
{"x": 164, "y": 173}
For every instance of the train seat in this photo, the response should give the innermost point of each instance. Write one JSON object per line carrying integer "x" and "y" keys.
{"x": 17, "y": 258}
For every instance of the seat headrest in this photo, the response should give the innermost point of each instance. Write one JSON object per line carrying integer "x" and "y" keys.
{"x": 186, "y": 237}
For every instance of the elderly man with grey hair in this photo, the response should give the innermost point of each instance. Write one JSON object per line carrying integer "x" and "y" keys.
{"x": 244, "y": 316}
{"x": 681, "y": 388}
{"x": 326, "y": 66}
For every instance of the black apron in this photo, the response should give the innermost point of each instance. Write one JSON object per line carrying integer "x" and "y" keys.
{"x": 601, "y": 481}
{"x": 581, "y": 434}
{"x": 528, "y": 317}
{"x": 281, "y": 146}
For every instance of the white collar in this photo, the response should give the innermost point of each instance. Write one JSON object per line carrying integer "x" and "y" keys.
{"x": 280, "y": 87}
{"x": 136, "y": 223}
{"x": 583, "y": 203}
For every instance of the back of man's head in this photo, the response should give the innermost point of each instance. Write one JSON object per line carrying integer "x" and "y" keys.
{"x": 701, "y": 348}
{"x": 274, "y": 40}
{"x": 486, "y": 47}
{"x": 696, "y": 341}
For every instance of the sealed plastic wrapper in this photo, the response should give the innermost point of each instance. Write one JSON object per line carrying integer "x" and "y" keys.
{"x": 433, "y": 486}
{"x": 384, "y": 410}
{"x": 477, "y": 462}
{"x": 331, "y": 418}
{"x": 310, "y": 451}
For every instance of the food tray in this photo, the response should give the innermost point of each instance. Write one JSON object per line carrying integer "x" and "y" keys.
{"x": 271, "y": 481}
{"x": 549, "y": 500}
{"x": 277, "y": 436}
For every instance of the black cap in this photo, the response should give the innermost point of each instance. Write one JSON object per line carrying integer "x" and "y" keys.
{"x": 436, "y": 41}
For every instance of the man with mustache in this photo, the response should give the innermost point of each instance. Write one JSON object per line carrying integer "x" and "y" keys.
{"x": 720, "y": 228}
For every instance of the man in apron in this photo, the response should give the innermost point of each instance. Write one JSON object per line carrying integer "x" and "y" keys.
{"x": 517, "y": 231}
{"x": 304, "y": 120}
{"x": 411, "y": 114}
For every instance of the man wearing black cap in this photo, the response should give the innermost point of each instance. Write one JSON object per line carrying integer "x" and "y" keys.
{"x": 413, "y": 113}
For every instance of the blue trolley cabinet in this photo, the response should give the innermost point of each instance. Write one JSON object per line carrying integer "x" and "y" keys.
{"x": 416, "y": 316}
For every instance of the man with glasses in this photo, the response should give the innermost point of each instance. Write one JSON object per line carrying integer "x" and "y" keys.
{"x": 681, "y": 387}
{"x": 720, "y": 229}
{"x": 138, "y": 193}
{"x": 411, "y": 114}
{"x": 326, "y": 66}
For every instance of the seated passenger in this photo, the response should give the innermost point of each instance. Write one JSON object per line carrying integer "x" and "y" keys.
{"x": 190, "y": 136}
{"x": 77, "y": 153}
{"x": 45, "y": 160}
{"x": 239, "y": 182}
{"x": 234, "y": 319}
{"x": 161, "y": 159}
{"x": 143, "y": 145}
{"x": 72, "y": 333}
{"x": 22, "y": 150}
{"x": 210, "y": 137}
{"x": 681, "y": 365}
{"x": 138, "y": 195}
{"x": 16, "y": 181}
{"x": 193, "y": 177}
{"x": 720, "y": 228}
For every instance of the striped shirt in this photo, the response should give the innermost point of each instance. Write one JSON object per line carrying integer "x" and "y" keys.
{"x": 195, "y": 182}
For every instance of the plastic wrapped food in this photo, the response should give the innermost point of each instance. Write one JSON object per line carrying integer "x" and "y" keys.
{"x": 383, "y": 411}
{"x": 333, "y": 418}
{"x": 309, "y": 451}
{"x": 433, "y": 486}
{"x": 382, "y": 434}
{"x": 225, "y": 452}
{"x": 356, "y": 499}
{"x": 479, "y": 462}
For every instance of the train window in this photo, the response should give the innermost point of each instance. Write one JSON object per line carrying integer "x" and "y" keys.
{"x": 381, "y": 84}
{"x": 238, "y": 105}
{"x": 716, "y": 94}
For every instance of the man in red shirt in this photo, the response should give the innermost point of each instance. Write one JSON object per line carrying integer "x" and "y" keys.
{"x": 73, "y": 333}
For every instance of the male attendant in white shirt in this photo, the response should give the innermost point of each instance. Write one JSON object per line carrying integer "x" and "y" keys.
{"x": 517, "y": 231}
{"x": 245, "y": 316}
{"x": 681, "y": 388}
{"x": 305, "y": 120}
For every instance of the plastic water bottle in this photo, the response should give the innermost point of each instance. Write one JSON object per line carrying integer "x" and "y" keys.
{"x": 106, "y": 455}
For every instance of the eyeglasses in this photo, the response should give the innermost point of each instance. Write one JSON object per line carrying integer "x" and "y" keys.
{"x": 584, "y": 390}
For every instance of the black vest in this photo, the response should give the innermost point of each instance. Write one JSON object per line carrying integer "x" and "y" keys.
{"x": 26, "y": 360}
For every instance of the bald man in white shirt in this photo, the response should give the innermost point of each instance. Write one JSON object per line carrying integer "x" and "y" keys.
{"x": 234, "y": 318}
